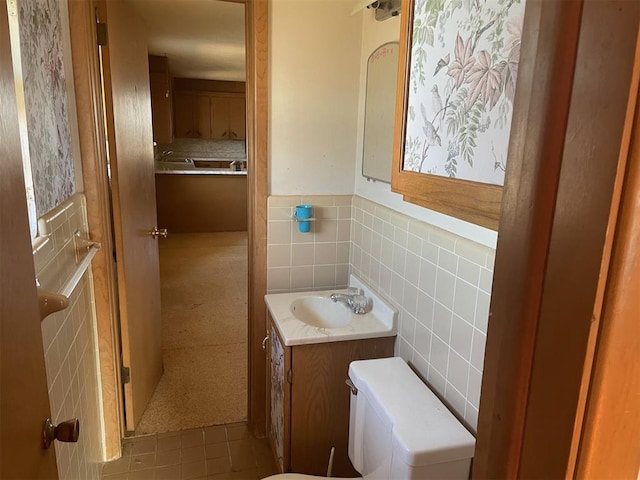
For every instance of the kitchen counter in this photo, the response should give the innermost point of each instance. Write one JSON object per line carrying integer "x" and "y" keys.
{"x": 187, "y": 156}
{"x": 187, "y": 167}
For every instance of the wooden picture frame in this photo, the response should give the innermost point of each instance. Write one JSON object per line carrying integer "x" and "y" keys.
{"x": 474, "y": 202}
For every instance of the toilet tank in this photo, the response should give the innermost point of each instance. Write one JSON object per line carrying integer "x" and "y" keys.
{"x": 399, "y": 429}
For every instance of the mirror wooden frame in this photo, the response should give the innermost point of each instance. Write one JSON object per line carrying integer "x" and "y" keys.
{"x": 474, "y": 202}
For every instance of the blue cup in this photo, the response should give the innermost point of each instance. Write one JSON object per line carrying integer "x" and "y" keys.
{"x": 303, "y": 212}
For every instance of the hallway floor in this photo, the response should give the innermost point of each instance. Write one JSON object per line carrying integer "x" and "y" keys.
{"x": 221, "y": 452}
{"x": 203, "y": 280}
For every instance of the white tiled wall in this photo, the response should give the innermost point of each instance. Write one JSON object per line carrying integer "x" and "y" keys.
{"x": 69, "y": 341}
{"x": 439, "y": 282}
{"x": 308, "y": 261}
{"x": 441, "y": 285}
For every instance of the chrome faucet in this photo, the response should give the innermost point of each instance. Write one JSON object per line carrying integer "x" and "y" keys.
{"x": 237, "y": 165}
{"x": 165, "y": 153}
{"x": 356, "y": 302}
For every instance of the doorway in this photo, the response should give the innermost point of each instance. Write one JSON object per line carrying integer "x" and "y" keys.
{"x": 197, "y": 75}
{"x": 84, "y": 32}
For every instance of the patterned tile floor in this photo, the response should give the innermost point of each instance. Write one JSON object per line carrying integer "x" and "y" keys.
{"x": 217, "y": 452}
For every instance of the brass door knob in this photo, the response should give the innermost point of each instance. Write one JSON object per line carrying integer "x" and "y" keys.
{"x": 157, "y": 232}
{"x": 67, "y": 431}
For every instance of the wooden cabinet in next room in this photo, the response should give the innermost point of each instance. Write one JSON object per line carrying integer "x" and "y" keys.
{"x": 220, "y": 116}
{"x": 192, "y": 115}
{"x": 228, "y": 117}
{"x": 161, "y": 99}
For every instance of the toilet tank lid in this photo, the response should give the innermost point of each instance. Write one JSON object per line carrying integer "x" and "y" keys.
{"x": 425, "y": 432}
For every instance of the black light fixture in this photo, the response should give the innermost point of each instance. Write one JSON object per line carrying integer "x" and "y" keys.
{"x": 383, "y": 8}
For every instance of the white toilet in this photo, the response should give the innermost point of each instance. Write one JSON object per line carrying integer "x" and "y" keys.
{"x": 399, "y": 429}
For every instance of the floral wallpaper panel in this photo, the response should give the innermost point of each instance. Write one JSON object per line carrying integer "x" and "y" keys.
{"x": 47, "y": 106}
{"x": 464, "y": 64}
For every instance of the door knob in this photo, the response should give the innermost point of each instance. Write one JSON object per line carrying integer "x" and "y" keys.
{"x": 67, "y": 431}
{"x": 156, "y": 232}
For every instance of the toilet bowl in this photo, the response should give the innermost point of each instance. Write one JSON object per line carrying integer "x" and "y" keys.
{"x": 399, "y": 429}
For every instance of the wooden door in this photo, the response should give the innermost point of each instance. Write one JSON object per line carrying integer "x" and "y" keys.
{"x": 129, "y": 131}
{"x": 220, "y": 118}
{"x": 201, "y": 117}
{"x": 183, "y": 115}
{"x": 24, "y": 402}
{"x": 237, "y": 119}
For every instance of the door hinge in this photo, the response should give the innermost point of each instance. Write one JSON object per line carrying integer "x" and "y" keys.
{"x": 101, "y": 34}
{"x": 290, "y": 375}
{"x": 125, "y": 374}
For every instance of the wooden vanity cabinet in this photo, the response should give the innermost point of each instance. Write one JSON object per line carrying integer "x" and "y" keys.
{"x": 308, "y": 401}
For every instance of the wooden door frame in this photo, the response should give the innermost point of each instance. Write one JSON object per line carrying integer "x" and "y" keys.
{"x": 257, "y": 47}
{"x": 82, "y": 22}
{"x": 567, "y": 158}
{"x": 91, "y": 131}
{"x": 610, "y": 426}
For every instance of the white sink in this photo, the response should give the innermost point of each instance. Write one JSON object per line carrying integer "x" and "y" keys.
{"x": 312, "y": 317}
{"x": 320, "y": 311}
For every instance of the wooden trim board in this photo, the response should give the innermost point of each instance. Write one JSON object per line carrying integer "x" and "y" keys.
{"x": 607, "y": 447}
{"x": 96, "y": 190}
{"x": 563, "y": 159}
{"x": 257, "y": 30}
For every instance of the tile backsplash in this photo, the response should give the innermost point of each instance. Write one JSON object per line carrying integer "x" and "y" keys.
{"x": 69, "y": 341}
{"x": 439, "y": 282}
{"x": 441, "y": 285}
{"x": 317, "y": 260}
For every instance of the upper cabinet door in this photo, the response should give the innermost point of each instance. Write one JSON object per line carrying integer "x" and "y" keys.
{"x": 161, "y": 109}
{"x": 161, "y": 99}
{"x": 220, "y": 118}
{"x": 183, "y": 115}
{"x": 201, "y": 117}
{"x": 237, "y": 118}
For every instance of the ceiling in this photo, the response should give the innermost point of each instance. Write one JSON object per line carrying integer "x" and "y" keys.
{"x": 201, "y": 38}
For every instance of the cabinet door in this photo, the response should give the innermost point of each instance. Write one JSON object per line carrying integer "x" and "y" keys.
{"x": 161, "y": 108}
{"x": 183, "y": 115}
{"x": 201, "y": 117}
{"x": 220, "y": 118}
{"x": 237, "y": 119}
{"x": 280, "y": 399}
{"x": 321, "y": 401}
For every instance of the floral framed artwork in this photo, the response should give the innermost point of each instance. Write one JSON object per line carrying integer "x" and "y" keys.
{"x": 456, "y": 84}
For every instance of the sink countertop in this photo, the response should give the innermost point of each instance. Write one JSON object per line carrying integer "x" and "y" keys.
{"x": 379, "y": 321}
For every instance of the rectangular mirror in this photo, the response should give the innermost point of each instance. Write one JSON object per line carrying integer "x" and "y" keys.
{"x": 380, "y": 100}
{"x": 457, "y": 80}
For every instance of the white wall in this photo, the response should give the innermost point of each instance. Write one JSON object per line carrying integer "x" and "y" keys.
{"x": 314, "y": 80}
{"x": 374, "y": 34}
{"x": 318, "y": 64}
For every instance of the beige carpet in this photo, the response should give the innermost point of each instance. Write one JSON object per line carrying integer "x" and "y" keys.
{"x": 204, "y": 332}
